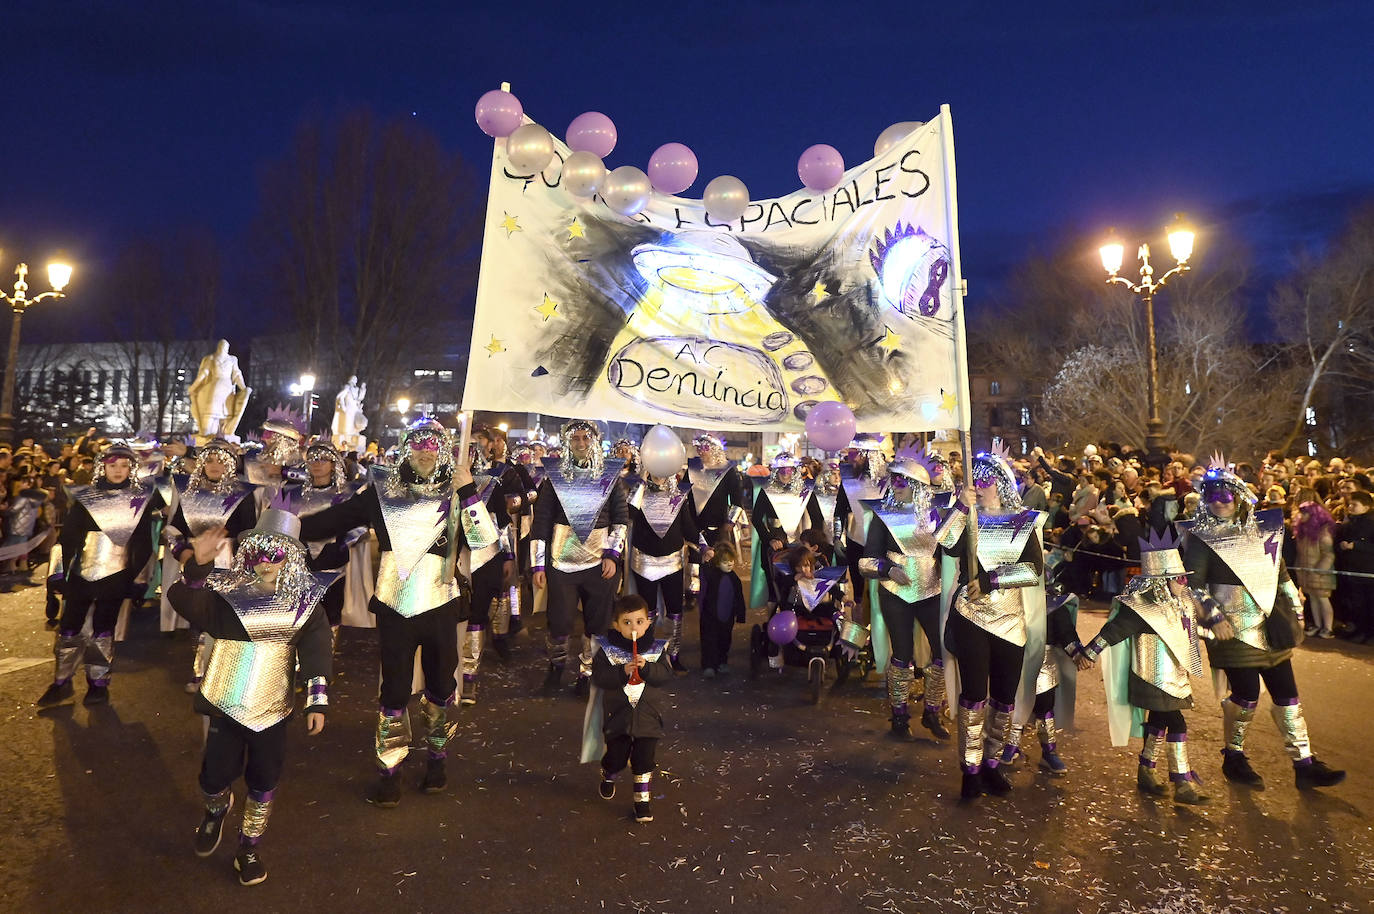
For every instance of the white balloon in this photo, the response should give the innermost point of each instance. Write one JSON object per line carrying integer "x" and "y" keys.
{"x": 626, "y": 190}
{"x": 529, "y": 149}
{"x": 662, "y": 452}
{"x": 894, "y": 135}
{"x": 726, "y": 198}
{"x": 583, "y": 173}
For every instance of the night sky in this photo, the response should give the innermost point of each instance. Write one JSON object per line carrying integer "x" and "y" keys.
{"x": 1253, "y": 117}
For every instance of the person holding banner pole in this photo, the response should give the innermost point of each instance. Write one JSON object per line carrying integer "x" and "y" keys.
{"x": 660, "y": 530}
{"x": 719, "y": 499}
{"x": 578, "y": 537}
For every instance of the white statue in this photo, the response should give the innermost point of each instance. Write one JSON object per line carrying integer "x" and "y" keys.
{"x": 218, "y": 394}
{"x": 349, "y": 420}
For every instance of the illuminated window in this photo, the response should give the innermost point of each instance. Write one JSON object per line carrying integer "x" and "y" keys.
{"x": 994, "y": 387}
{"x": 1025, "y": 415}
{"x": 446, "y": 376}
{"x": 1311, "y": 416}
{"x": 1025, "y": 446}
{"x": 424, "y": 372}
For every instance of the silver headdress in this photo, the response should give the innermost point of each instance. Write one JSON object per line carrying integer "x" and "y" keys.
{"x": 277, "y": 531}
{"x": 1220, "y": 483}
{"x": 993, "y": 468}
{"x": 595, "y": 459}
{"x": 785, "y": 461}
{"x": 1159, "y": 556}
{"x": 283, "y": 431}
{"x": 709, "y": 448}
{"x": 632, "y": 461}
{"x": 920, "y": 469}
{"x": 224, "y": 453}
{"x": 425, "y": 433}
{"x": 324, "y": 450}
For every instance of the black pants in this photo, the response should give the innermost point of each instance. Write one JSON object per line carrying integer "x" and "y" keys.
{"x": 715, "y": 638}
{"x": 1044, "y": 702}
{"x": 852, "y": 553}
{"x": 333, "y": 601}
{"x": 671, "y": 588}
{"x": 988, "y": 665}
{"x": 1245, "y": 683}
{"x": 77, "y": 605}
{"x": 1172, "y": 721}
{"x": 625, "y": 748}
{"x": 231, "y": 750}
{"x": 1357, "y": 599}
{"x": 435, "y": 633}
{"x": 595, "y": 593}
{"x": 901, "y": 619}
{"x": 487, "y": 585}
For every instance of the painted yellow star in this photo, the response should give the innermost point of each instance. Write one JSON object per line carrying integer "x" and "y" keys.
{"x": 510, "y": 224}
{"x": 890, "y": 340}
{"x": 494, "y": 346}
{"x": 575, "y": 229}
{"x": 549, "y": 308}
{"x": 818, "y": 292}
{"x": 947, "y": 401}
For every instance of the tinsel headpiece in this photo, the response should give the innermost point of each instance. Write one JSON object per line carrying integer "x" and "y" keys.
{"x": 594, "y": 459}
{"x": 993, "y": 468}
{"x": 710, "y": 448}
{"x": 321, "y": 449}
{"x": 276, "y": 532}
{"x": 223, "y": 452}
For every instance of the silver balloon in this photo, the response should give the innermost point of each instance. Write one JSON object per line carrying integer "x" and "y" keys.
{"x": 726, "y": 198}
{"x": 662, "y": 452}
{"x": 894, "y": 135}
{"x": 583, "y": 174}
{"x": 626, "y": 190}
{"x": 529, "y": 149}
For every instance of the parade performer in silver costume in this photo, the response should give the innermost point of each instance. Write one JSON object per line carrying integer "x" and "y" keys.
{"x": 986, "y": 632}
{"x": 264, "y": 616}
{"x": 1156, "y": 622}
{"x": 420, "y": 526}
{"x": 577, "y": 539}
{"x": 660, "y": 529}
{"x": 719, "y": 499}
{"x": 328, "y": 485}
{"x": 1234, "y": 556}
{"x": 106, "y": 540}
{"x": 902, "y": 554}
{"x": 491, "y": 569}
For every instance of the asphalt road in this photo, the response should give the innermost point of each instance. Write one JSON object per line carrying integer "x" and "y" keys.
{"x": 763, "y": 802}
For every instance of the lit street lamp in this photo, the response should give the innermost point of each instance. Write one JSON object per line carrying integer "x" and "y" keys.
{"x": 59, "y": 274}
{"x": 402, "y": 405}
{"x": 1181, "y": 247}
{"x": 305, "y": 390}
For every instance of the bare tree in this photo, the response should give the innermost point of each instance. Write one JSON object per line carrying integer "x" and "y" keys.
{"x": 1325, "y": 312}
{"x": 368, "y": 233}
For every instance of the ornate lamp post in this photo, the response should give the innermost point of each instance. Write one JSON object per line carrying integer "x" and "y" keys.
{"x": 1181, "y": 247}
{"x": 59, "y": 274}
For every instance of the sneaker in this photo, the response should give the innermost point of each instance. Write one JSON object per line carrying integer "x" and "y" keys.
{"x": 607, "y": 789}
{"x": 56, "y": 694}
{"x": 435, "y": 779}
{"x": 551, "y": 681}
{"x": 469, "y": 696}
{"x": 1316, "y": 774}
{"x": 211, "y": 830}
{"x": 1052, "y": 764}
{"x": 643, "y": 813}
{"x": 995, "y": 781}
{"x": 1310, "y": 630}
{"x": 930, "y": 719}
{"x": 386, "y": 793}
{"x": 1147, "y": 781}
{"x": 677, "y": 665}
{"x": 1236, "y": 768}
{"x": 96, "y": 695}
{"x": 583, "y": 687}
{"x": 708, "y": 673}
{"x": 249, "y": 866}
{"x": 1325, "y": 634}
{"x": 1187, "y": 794}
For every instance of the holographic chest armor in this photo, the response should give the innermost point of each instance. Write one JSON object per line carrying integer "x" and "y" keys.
{"x": 1167, "y": 654}
{"x": 116, "y": 513}
{"x": 916, "y": 549}
{"x": 205, "y": 510}
{"x": 251, "y": 681}
{"x": 1253, "y": 556}
{"x": 414, "y": 522}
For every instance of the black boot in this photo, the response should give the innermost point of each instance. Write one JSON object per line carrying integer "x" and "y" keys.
{"x": 501, "y": 646}
{"x": 972, "y": 787}
{"x": 995, "y": 782}
{"x": 96, "y": 695}
{"x": 551, "y": 681}
{"x": 1316, "y": 774}
{"x": 901, "y": 727}
{"x": 386, "y": 793}
{"x": 930, "y": 719}
{"x": 1236, "y": 768}
{"x": 56, "y": 694}
{"x": 583, "y": 687}
{"x": 435, "y": 779}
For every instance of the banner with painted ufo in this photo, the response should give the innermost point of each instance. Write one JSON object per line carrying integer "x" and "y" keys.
{"x": 673, "y": 317}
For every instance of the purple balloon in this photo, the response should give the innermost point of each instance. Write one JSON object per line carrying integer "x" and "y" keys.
{"x": 821, "y": 167}
{"x": 672, "y": 168}
{"x": 592, "y": 132}
{"x": 499, "y": 113}
{"x": 830, "y": 425}
{"x": 782, "y": 628}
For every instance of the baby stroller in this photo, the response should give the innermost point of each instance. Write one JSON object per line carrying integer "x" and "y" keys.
{"x": 814, "y": 604}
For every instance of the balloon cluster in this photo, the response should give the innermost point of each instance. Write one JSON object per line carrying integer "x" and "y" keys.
{"x": 672, "y": 167}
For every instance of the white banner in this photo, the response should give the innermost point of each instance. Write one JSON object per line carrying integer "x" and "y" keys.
{"x": 671, "y": 317}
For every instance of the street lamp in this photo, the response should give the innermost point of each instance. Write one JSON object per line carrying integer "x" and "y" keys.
{"x": 307, "y": 389}
{"x": 402, "y": 404}
{"x": 59, "y": 274}
{"x": 1181, "y": 247}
